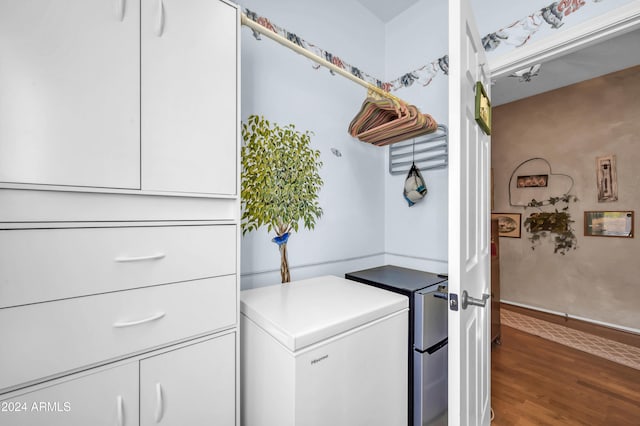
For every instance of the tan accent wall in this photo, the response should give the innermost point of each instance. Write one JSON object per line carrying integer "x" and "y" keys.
{"x": 570, "y": 127}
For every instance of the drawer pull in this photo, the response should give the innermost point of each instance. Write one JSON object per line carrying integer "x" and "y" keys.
{"x": 120, "y": 9}
{"x": 140, "y": 258}
{"x": 120, "y": 410}
{"x": 160, "y": 30}
{"x": 159, "y": 403}
{"x": 138, "y": 322}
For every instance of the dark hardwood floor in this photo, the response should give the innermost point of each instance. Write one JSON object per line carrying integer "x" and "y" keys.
{"x": 539, "y": 382}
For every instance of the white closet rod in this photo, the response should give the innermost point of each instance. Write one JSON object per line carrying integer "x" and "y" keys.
{"x": 283, "y": 41}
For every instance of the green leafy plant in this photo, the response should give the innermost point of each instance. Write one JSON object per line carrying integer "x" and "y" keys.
{"x": 556, "y": 222}
{"x": 280, "y": 182}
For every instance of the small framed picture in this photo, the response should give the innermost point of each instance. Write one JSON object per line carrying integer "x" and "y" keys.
{"x": 608, "y": 224}
{"x": 508, "y": 224}
{"x": 483, "y": 109}
{"x": 607, "y": 179}
{"x": 533, "y": 181}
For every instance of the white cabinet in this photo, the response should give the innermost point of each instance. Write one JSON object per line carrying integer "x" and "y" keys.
{"x": 189, "y": 57}
{"x": 192, "y": 385}
{"x": 186, "y": 387}
{"x": 119, "y": 94}
{"x": 105, "y": 398}
{"x": 69, "y": 79}
{"x": 120, "y": 217}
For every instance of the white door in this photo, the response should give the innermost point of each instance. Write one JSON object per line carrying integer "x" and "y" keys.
{"x": 189, "y": 106}
{"x": 70, "y": 93}
{"x": 469, "y": 225}
{"x": 194, "y": 385}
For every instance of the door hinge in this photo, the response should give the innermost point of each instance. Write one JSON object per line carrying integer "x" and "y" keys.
{"x": 453, "y": 301}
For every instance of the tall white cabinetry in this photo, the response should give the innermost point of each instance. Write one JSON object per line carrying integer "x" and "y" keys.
{"x": 125, "y": 94}
{"x": 119, "y": 212}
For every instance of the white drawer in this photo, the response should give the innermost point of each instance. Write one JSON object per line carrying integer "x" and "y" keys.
{"x": 39, "y": 265}
{"x": 47, "y": 339}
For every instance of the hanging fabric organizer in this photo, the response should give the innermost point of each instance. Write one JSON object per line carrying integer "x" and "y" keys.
{"x": 384, "y": 119}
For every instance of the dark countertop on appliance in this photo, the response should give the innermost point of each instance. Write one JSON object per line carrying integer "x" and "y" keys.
{"x": 404, "y": 280}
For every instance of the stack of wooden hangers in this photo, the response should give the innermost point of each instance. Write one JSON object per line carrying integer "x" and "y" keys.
{"x": 383, "y": 121}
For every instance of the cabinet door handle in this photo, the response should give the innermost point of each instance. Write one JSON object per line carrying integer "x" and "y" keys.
{"x": 159, "y": 403}
{"x": 120, "y": 403}
{"x": 138, "y": 322}
{"x": 121, "y": 6}
{"x": 156, "y": 256}
{"x": 161, "y": 18}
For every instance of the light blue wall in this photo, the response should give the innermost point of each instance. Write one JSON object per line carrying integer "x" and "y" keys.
{"x": 417, "y": 237}
{"x": 367, "y": 222}
{"x": 284, "y": 87}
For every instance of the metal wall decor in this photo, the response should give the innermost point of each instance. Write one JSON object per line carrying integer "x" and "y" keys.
{"x": 537, "y": 182}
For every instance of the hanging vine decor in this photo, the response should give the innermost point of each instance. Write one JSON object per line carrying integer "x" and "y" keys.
{"x": 556, "y": 222}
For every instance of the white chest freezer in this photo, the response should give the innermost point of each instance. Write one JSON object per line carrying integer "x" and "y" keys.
{"x": 324, "y": 351}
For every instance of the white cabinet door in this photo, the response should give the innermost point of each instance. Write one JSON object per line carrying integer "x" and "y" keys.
{"x": 69, "y": 85}
{"x": 189, "y": 113}
{"x": 105, "y": 398}
{"x": 194, "y": 385}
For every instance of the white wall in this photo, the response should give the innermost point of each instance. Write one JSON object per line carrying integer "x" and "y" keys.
{"x": 283, "y": 86}
{"x": 417, "y": 237}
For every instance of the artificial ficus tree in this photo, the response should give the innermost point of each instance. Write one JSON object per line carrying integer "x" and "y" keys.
{"x": 280, "y": 182}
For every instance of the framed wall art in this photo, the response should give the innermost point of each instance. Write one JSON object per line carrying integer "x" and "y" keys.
{"x": 607, "y": 179}
{"x": 609, "y": 223}
{"x": 509, "y": 224}
{"x": 532, "y": 181}
{"x": 483, "y": 109}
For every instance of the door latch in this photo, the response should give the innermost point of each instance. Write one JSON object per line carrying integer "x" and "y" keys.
{"x": 453, "y": 301}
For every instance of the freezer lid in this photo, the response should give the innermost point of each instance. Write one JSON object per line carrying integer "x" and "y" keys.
{"x": 305, "y": 312}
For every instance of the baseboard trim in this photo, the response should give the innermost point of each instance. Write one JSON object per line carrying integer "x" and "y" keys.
{"x": 627, "y": 336}
{"x": 254, "y": 279}
{"x": 312, "y": 264}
